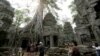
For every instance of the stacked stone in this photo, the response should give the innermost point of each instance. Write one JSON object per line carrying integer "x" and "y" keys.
{"x": 57, "y": 52}
{"x": 51, "y": 34}
{"x": 68, "y": 32}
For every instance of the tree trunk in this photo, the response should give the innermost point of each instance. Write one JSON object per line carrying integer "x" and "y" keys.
{"x": 39, "y": 16}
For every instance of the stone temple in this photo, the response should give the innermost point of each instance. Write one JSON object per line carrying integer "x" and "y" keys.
{"x": 51, "y": 32}
{"x": 52, "y": 35}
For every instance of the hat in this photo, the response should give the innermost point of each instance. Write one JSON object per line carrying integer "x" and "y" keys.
{"x": 41, "y": 43}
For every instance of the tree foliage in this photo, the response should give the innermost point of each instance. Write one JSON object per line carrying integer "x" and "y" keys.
{"x": 21, "y": 16}
{"x": 73, "y": 7}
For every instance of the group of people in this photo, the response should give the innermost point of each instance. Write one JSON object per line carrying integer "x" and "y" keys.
{"x": 74, "y": 50}
{"x": 97, "y": 48}
{"x": 31, "y": 49}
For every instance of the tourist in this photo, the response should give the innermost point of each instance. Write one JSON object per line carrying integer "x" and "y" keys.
{"x": 36, "y": 48}
{"x": 24, "y": 46}
{"x": 70, "y": 46}
{"x": 73, "y": 50}
{"x": 41, "y": 49}
{"x": 97, "y": 47}
{"x": 19, "y": 51}
{"x": 32, "y": 49}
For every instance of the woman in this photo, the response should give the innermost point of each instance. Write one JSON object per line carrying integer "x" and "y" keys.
{"x": 73, "y": 49}
{"x": 30, "y": 49}
{"x": 70, "y": 46}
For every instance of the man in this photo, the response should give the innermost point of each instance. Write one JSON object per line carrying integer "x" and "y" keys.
{"x": 97, "y": 47}
{"x": 41, "y": 49}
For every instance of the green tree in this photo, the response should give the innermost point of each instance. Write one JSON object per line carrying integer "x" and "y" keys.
{"x": 73, "y": 7}
{"x": 21, "y": 16}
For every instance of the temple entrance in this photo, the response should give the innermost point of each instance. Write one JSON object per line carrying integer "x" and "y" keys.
{"x": 47, "y": 41}
{"x": 25, "y": 42}
{"x": 55, "y": 40}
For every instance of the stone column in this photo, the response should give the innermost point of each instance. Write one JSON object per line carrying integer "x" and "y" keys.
{"x": 78, "y": 38}
{"x": 96, "y": 34}
{"x": 51, "y": 41}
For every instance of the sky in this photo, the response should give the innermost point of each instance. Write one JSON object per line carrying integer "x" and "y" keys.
{"x": 64, "y": 14}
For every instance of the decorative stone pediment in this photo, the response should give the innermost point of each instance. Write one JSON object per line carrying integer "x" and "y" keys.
{"x": 49, "y": 20}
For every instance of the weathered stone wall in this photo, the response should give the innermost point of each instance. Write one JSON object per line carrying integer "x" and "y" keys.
{"x": 68, "y": 32}
{"x": 87, "y": 14}
{"x": 51, "y": 32}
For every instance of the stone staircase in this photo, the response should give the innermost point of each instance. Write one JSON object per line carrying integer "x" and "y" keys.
{"x": 56, "y": 51}
{"x": 4, "y": 51}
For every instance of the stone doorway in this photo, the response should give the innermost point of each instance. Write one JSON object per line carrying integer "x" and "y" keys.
{"x": 3, "y": 38}
{"x": 24, "y": 42}
{"x": 47, "y": 41}
{"x": 55, "y": 40}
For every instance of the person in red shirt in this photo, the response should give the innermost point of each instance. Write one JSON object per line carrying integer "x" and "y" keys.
{"x": 74, "y": 50}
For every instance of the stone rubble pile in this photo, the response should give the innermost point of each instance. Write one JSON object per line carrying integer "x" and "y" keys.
{"x": 56, "y": 51}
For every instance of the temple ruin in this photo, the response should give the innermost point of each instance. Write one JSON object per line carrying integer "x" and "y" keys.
{"x": 87, "y": 20}
{"x": 51, "y": 34}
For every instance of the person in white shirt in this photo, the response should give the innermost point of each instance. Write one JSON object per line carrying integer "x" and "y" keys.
{"x": 20, "y": 51}
{"x": 97, "y": 48}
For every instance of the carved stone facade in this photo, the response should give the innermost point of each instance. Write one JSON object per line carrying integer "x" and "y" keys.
{"x": 51, "y": 34}
{"x": 87, "y": 20}
{"x": 6, "y": 18}
{"x": 68, "y": 32}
